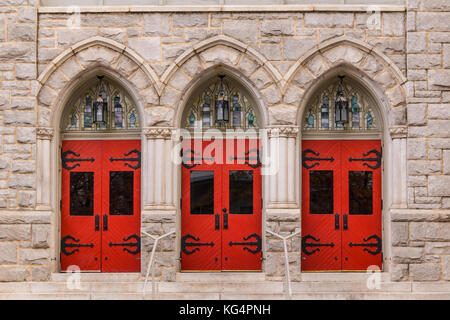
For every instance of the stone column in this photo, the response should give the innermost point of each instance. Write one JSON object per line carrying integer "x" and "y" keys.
{"x": 159, "y": 198}
{"x": 398, "y": 167}
{"x": 282, "y": 212}
{"x": 159, "y": 169}
{"x": 282, "y": 142}
{"x": 44, "y": 137}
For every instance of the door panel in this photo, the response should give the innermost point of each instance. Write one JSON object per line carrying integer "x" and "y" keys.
{"x": 353, "y": 225}
{"x": 121, "y": 207}
{"x": 100, "y": 216}
{"x": 221, "y": 205}
{"x": 200, "y": 228}
{"x": 241, "y": 206}
{"x": 81, "y": 205}
{"x": 321, "y": 236}
{"x": 361, "y": 202}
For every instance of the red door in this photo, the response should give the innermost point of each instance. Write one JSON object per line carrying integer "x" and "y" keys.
{"x": 221, "y": 205}
{"x": 341, "y": 205}
{"x": 101, "y": 201}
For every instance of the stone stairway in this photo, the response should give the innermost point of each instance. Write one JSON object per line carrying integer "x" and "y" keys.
{"x": 220, "y": 286}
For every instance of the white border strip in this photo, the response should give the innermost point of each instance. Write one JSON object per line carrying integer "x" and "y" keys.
{"x": 233, "y": 8}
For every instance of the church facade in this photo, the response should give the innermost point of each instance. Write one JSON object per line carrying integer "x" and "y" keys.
{"x": 257, "y": 139}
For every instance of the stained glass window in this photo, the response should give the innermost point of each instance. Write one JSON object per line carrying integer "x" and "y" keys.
{"x": 221, "y": 105}
{"x": 121, "y": 113}
{"x": 321, "y": 113}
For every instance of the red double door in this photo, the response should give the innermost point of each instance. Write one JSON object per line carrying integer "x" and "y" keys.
{"x": 221, "y": 205}
{"x": 100, "y": 206}
{"x": 341, "y": 205}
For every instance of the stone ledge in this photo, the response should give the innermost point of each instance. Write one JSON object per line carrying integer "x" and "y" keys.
{"x": 230, "y": 8}
{"x": 20, "y": 217}
{"x": 437, "y": 215}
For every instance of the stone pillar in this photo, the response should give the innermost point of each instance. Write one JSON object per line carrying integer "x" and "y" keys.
{"x": 159, "y": 169}
{"x": 398, "y": 167}
{"x": 282, "y": 142}
{"x": 44, "y": 137}
{"x": 159, "y": 197}
{"x": 282, "y": 212}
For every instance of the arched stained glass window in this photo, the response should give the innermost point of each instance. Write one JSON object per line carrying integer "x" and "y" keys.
{"x": 340, "y": 107}
{"x": 221, "y": 105}
{"x": 101, "y": 107}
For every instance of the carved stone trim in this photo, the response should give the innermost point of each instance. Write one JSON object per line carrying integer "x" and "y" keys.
{"x": 285, "y": 132}
{"x": 400, "y": 132}
{"x": 158, "y": 133}
{"x": 45, "y": 133}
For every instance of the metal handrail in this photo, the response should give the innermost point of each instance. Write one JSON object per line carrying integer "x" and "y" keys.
{"x": 150, "y": 263}
{"x": 286, "y": 264}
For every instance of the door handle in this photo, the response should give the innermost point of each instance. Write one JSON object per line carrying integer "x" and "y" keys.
{"x": 345, "y": 222}
{"x": 105, "y": 222}
{"x": 225, "y": 218}
{"x": 97, "y": 222}
{"x": 336, "y": 221}
{"x": 217, "y": 217}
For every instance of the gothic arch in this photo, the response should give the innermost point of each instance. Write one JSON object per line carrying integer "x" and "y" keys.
{"x": 227, "y": 55}
{"x": 62, "y": 76}
{"x": 57, "y": 84}
{"x": 374, "y": 70}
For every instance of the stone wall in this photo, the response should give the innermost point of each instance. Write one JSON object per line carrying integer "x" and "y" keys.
{"x": 280, "y": 54}
{"x": 420, "y": 238}
{"x": 24, "y": 235}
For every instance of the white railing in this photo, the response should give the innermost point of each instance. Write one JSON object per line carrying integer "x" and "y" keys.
{"x": 150, "y": 263}
{"x": 287, "y": 275}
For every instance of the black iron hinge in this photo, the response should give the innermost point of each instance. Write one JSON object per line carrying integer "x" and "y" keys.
{"x": 381, "y": 204}
{"x": 262, "y": 203}
{"x": 181, "y": 203}
{"x": 60, "y": 205}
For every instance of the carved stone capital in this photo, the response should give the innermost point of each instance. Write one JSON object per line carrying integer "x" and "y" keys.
{"x": 45, "y": 133}
{"x": 398, "y": 132}
{"x": 158, "y": 133}
{"x": 285, "y": 132}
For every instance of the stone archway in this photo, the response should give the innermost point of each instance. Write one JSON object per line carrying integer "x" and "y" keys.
{"x": 56, "y": 85}
{"x": 384, "y": 82}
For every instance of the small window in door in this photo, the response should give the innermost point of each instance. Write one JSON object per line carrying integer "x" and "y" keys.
{"x": 81, "y": 193}
{"x": 321, "y": 192}
{"x": 241, "y": 192}
{"x": 202, "y": 192}
{"x": 121, "y": 187}
{"x": 360, "y": 192}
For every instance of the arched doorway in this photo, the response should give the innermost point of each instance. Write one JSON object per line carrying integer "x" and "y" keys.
{"x": 100, "y": 179}
{"x": 341, "y": 178}
{"x": 221, "y": 184}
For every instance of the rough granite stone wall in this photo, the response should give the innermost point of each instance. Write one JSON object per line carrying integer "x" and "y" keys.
{"x": 421, "y": 238}
{"x": 24, "y": 235}
{"x": 417, "y": 41}
{"x": 282, "y": 38}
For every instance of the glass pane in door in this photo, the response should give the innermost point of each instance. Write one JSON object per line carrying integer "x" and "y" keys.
{"x": 202, "y": 192}
{"x": 241, "y": 192}
{"x": 81, "y": 193}
{"x": 360, "y": 192}
{"x": 121, "y": 192}
{"x": 321, "y": 192}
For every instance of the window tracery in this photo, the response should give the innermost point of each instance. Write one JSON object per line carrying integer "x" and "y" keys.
{"x": 340, "y": 107}
{"x": 221, "y": 105}
{"x": 102, "y": 107}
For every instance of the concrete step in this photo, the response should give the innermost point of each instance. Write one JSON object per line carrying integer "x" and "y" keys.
{"x": 97, "y": 277}
{"x": 225, "y": 296}
{"x": 342, "y": 276}
{"x": 357, "y": 286}
{"x": 220, "y": 277}
{"x": 222, "y": 287}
